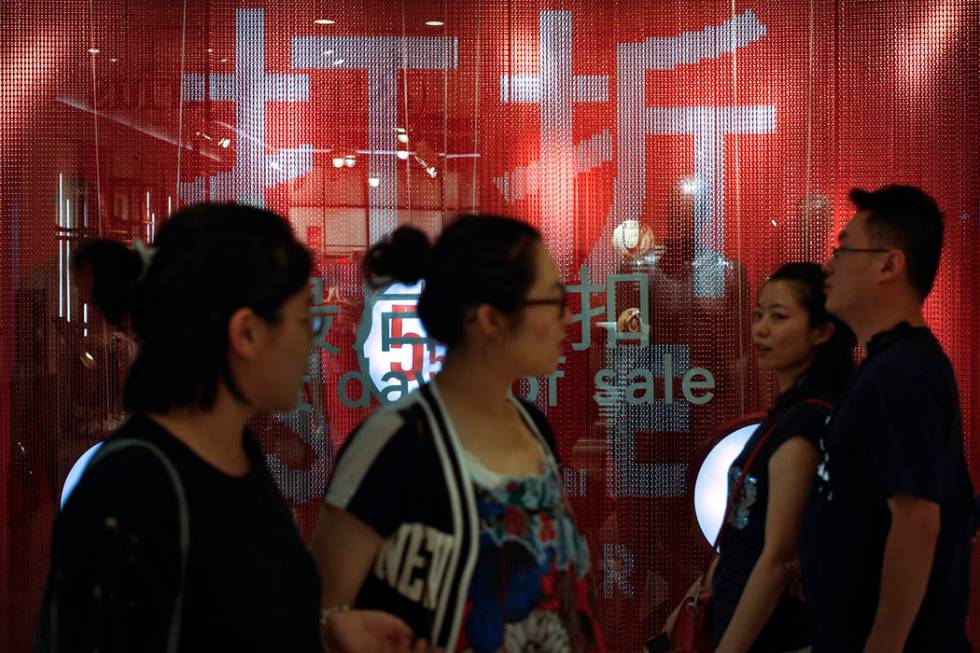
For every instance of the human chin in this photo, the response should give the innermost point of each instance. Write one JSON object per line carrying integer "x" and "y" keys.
{"x": 287, "y": 396}
{"x": 763, "y": 360}
{"x": 834, "y": 302}
{"x": 288, "y": 404}
{"x": 542, "y": 365}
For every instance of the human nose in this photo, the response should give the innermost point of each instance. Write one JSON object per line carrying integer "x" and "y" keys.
{"x": 828, "y": 265}
{"x": 566, "y": 315}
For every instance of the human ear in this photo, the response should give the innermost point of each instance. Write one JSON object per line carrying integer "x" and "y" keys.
{"x": 894, "y": 264}
{"x": 823, "y": 333}
{"x": 491, "y": 322}
{"x": 246, "y": 333}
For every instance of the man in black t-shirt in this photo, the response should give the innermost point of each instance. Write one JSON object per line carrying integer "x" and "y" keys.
{"x": 886, "y": 541}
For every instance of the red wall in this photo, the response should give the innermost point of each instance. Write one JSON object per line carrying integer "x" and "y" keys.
{"x": 838, "y": 94}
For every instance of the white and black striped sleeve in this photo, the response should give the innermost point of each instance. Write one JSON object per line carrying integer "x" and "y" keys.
{"x": 378, "y": 471}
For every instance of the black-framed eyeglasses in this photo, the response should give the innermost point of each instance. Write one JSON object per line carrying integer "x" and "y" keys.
{"x": 837, "y": 251}
{"x": 561, "y": 302}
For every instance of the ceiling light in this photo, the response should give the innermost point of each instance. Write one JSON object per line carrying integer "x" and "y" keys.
{"x": 402, "y": 138}
{"x": 324, "y": 21}
{"x": 338, "y": 162}
{"x": 434, "y": 23}
{"x": 402, "y": 154}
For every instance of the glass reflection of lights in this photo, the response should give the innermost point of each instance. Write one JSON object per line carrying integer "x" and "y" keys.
{"x": 711, "y": 484}
{"x": 690, "y": 186}
{"x": 75, "y": 474}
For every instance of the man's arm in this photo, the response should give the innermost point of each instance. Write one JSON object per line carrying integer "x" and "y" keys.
{"x": 909, "y": 552}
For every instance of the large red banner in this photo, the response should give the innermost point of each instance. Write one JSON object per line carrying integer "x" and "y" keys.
{"x": 672, "y": 153}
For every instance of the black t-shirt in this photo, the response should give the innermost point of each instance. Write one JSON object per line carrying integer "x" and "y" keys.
{"x": 896, "y": 429}
{"x": 250, "y": 585}
{"x": 399, "y": 474}
{"x": 745, "y": 532}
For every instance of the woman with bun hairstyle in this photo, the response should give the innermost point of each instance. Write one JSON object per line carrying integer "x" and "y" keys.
{"x": 177, "y": 538}
{"x": 446, "y": 509}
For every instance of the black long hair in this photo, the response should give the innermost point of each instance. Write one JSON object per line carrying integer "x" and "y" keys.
{"x": 833, "y": 361}
{"x": 176, "y": 297}
{"x": 478, "y": 259}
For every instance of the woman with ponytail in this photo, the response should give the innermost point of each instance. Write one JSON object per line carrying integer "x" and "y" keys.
{"x": 446, "y": 509}
{"x": 811, "y": 355}
{"x": 177, "y": 538}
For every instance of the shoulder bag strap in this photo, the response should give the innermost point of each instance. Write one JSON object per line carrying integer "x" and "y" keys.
{"x": 748, "y": 464}
{"x": 741, "y": 482}
{"x": 184, "y": 534}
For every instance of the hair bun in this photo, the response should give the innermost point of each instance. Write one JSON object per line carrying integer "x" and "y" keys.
{"x": 404, "y": 256}
{"x": 115, "y": 270}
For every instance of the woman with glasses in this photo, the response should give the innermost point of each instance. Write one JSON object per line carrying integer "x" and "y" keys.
{"x": 176, "y": 537}
{"x": 446, "y": 509}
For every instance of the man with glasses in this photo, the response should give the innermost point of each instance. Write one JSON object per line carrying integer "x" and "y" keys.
{"x": 886, "y": 542}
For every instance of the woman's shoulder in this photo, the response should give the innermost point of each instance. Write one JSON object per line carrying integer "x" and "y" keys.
{"x": 806, "y": 416}
{"x": 137, "y": 451}
{"x": 398, "y": 427}
{"x": 126, "y": 487}
{"x": 809, "y": 407}
{"x": 541, "y": 423}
